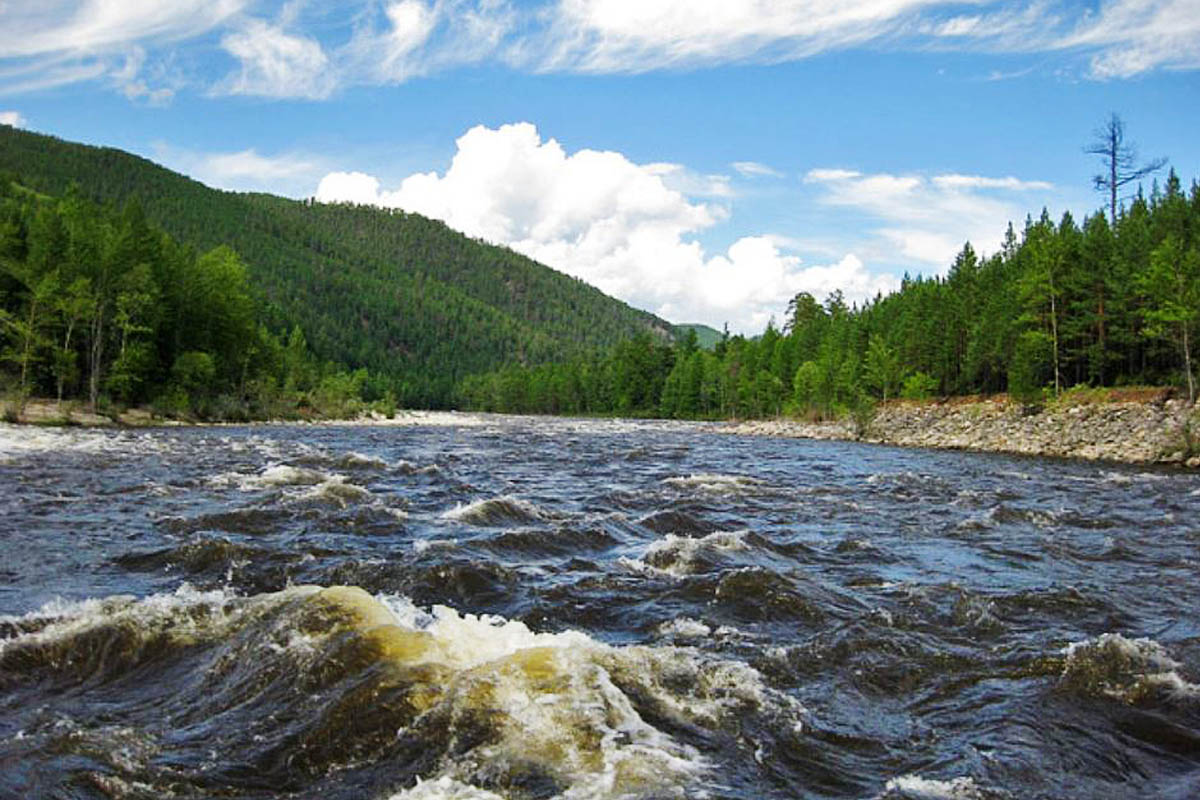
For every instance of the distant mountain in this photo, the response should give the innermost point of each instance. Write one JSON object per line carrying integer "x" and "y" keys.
{"x": 400, "y": 294}
{"x": 706, "y": 337}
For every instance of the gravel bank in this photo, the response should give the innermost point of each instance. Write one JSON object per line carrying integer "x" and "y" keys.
{"x": 1129, "y": 432}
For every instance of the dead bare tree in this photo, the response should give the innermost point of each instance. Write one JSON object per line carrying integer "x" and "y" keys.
{"x": 1120, "y": 161}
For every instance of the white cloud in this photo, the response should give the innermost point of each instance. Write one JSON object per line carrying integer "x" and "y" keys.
{"x": 94, "y": 26}
{"x": 1136, "y": 36}
{"x": 616, "y": 224}
{"x": 275, "y": 63}
{"x": 827, "y": 175}
{"x": 138, "y": 90}
{"x": 753, "y": 169}
{"x": 312, "y": 50}
{"x": 391, "y": 52}
{"x": 127, "y": 79}
{"x": 57, "y": 42}
{"x": 13, "y": 118}
{"x": 619, "y": 36}
{"x": 288, "y": 174}
{"x": 955, "y": 181}
{"x": 927, "y": 220}
{"x": 1121, "y": 38}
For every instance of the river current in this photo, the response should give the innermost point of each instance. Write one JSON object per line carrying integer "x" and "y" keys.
{"x": 494, "y": 607}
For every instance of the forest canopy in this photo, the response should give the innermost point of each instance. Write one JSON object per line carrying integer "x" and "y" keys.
{"x": 1061, "y": 304}
{"x": 98, "y": 305}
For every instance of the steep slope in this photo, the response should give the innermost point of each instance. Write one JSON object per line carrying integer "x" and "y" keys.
{"x": 400, "y": 294}
{"x": 706, "y": 337}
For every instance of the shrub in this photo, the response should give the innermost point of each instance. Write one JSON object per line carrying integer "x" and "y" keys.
{"x": 918, "y": 386}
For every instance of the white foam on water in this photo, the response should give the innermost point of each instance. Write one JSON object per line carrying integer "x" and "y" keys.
{"x": 335, "y": 491}
{"x": 409, "y": 468}
{"x": 1128, "y": 670}
{"x": 678, "y": 555}
{"x": 425, "y": 545}
{"x": 561, "y": 703}
{"x": 444, "y": 788}
{"x": 495, "y": 509}
{"x": 560, "y": 698}
{"x": 915, "y": 787}
{"x": 715, "y": 483}
{"x": 183, "y": 614}
{"x": 684, "y": 628}
{"x": 24, "y": 440}
{"x": 273, "y": 477}
{"x": 356, "y": 460}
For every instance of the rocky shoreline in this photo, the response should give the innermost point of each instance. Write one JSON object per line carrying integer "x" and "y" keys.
{"x": 1164, "y": 431}
{"x": 1153, "y": 430}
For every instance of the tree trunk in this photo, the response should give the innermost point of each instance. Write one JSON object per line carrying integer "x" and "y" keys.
{"x": 96, "y": 356}
{"x": 66, "y": 350}
{"x": 1187, "y": 365}
{"x": 1112, "y": 178}
{"x": 1054, "y": 335}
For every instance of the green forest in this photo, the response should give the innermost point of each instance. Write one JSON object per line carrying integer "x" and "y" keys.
{"x": 97, "y": 305}
{"x": 122, "y": 283}
{"x": 417, "y": 304}
{"x": 1062, "y": 304}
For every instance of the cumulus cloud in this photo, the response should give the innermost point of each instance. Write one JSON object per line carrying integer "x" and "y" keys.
{"x": 614, "y": 223}
{"x": 927, "y": 219}
{"x": 13, "y": 118}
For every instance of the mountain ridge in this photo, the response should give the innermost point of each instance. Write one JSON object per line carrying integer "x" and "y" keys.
{"x": 418, "y": 304}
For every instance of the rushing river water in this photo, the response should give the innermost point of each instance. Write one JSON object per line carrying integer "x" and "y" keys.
{"x": 548, "y": 608}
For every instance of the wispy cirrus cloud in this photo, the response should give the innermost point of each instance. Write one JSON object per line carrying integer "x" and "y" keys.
{"x": 299, "y": 49}
{"x": 291, "y": 174}
{"x": 926, "y": 220}
{"x": 276, "y": 63}
{"x": 59, "y": 42}
{"x": 753, "y": 169}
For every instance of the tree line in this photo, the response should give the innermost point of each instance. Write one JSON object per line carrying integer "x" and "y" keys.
{"x": 99, "y": 306}
{"x": 1061, "y": 304}
{"x": 417, "y": 304}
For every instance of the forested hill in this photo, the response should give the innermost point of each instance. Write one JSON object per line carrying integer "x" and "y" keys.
{"x": 418, "y": 304}
{"x": 1061, "y": 306}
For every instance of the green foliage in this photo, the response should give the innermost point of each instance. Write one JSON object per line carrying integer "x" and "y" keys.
{"x": 882, "y": 368}
{"x": 1029, "y": 367}
{"x": 918, "y": 386}
{"x": 96, "y": 303}
{"x": 862, "y": 414}
{"x": 1061, "y": 305}
{"x": 417, "y": 304}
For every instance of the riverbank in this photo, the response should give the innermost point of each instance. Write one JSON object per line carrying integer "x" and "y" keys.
{"x": 1144, "y": 427}
{"x": 52, "y": 414}
{"x": 1147, "y": 430}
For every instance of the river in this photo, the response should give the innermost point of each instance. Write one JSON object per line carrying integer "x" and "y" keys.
{"x": 495, "y": 607}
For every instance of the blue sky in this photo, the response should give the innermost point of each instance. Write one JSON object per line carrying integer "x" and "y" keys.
{"x": 702, "y": 159}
